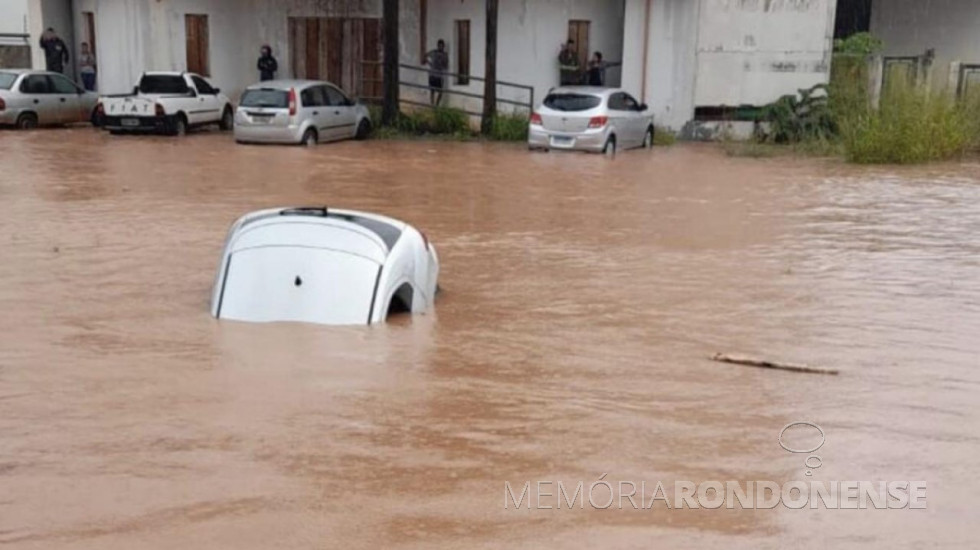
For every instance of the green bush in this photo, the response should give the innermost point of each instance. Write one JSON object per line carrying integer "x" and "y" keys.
{"x": 862, "y": 43}
{"x": 910, "y": 126}
{"x": 794, "y": 119}
{"x": 509, "y": 127}
{"x": 664, "y": 136}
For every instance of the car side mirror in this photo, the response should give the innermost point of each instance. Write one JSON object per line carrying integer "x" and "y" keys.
{"x": 643, "y": 107}
{"x": 136, "y": 90}
{"x": 217, "y": 91}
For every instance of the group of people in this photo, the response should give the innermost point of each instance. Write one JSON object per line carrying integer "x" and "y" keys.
{"x": 571, "y": 74}
{"x": 56, "y": 57}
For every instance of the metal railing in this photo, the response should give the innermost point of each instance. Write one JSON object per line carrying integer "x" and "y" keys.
{"x": 529, "y": 104}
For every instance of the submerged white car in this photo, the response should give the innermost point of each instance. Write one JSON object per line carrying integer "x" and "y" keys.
{"x": 326, "y": 266}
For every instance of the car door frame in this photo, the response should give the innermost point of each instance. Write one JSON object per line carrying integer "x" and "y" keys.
{"x": 343, "y": 117}
{"x": 68, "y": 105}
{"x": 206, "y": 107}
{"x": 43, "y": 105}
{"x": 315, "y": 111}
{"x": 636, "y": 120}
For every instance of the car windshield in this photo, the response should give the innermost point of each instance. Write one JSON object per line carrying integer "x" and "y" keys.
{"x": 265, "y": 97}
{"x": 572, "y": 102}
{"x": 7, "y": 80}
{"x": 163, "y": 84}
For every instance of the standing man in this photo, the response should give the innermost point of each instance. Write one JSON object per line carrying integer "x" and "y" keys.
{"x": 438, "y": 62}
{"x": 267, "y": 64}
{"x": 596, "y": 76}
{"x": 568, "y": 64}
{"x": 86, "y": 66}
{"x": 55, "y": 51}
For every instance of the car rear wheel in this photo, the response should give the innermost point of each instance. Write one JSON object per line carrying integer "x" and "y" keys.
{"x": 648, "y": 139}
{"x": 180, "y": 126}
{"x": 227, "y": 120}
{"x": 27, "y": 121}
{"x": 309, "y": 137}
{"x": 610, "y": 148}
{"x": 363, "y": 129}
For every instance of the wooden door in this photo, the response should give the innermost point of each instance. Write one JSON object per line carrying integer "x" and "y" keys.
{"x": 578, "y": 32}
{"x": 371, "y": 67}
{"x": 463, "y": 51}
{"x": 196, "y": 31}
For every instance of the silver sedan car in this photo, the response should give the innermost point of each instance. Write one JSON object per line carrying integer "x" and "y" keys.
{"x": 299, "y": 111}
{"x": 587, "y": 118}
{"x": 29, "y": 99}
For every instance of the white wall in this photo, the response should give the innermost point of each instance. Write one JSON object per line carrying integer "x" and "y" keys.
{"x": 753, "y": 51}
{"x": 530, "y": 34}
{"x": 910, "y": 27}
{"x": 13, "y": 16}
{"x": 671, "y": 57}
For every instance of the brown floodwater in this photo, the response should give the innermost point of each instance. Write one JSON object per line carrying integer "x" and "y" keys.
{"x": 582, "y": 297}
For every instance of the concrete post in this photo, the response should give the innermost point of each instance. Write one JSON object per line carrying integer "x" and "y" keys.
{"x": 876, "y": 67}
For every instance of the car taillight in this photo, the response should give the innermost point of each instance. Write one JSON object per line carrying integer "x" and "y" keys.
{"x": 158, "y": 110}
{"x": 3, "y": 104}
{"x": 598, "y": 121}
{"x": 292, "y": 101}
{"x": 536, "y": 119}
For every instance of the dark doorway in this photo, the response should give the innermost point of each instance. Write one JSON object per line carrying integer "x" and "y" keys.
{"x": 853, "y": 16}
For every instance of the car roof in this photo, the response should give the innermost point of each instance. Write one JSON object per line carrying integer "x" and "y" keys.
{"x": 384, "y": 230}
{"x": 590, "y": 90}
{"x": 286, "y": 84}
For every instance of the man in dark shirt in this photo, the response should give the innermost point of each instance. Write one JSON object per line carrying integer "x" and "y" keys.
{"x": 568, "y": 65}
{"x": 55, "y": 51}
{"x": 267, "y": 64}
{"x": 438, "y": 62}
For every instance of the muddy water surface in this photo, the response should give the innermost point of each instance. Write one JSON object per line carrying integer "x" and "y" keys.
{"x": 581, "y": 297}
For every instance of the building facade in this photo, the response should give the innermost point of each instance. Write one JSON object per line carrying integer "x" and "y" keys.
{"x": 687, "y": 59}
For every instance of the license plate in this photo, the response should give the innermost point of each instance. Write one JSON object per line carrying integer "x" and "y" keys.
{"x": 561, "y": 141}
{"x": 261, "y": 119}
{"x": 130, "y": 122}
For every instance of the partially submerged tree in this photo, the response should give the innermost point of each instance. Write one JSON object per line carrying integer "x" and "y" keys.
{"x": 389, "y": 110}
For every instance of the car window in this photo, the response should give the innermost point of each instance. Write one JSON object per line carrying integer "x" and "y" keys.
{"x": 313, "y": 97}
{"x": 335, "y": 97}
{"x": 35, "y": 84}
{"x": 265, "y": 97}
{"x": 572, "y": 102}
{"x": 617, "y": 102}
{"x": 7, "y": 80}
{"x": 61, "y": 85}
{"x": 631, "y": 103}
{"x": 163, "y": 84}
{"x": 202, "y": 86}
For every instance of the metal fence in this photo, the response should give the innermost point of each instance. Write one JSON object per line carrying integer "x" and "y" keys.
{"x": 529, "y": 104}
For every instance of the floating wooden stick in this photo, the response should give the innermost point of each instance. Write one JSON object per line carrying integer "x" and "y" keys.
{"x": 762, "y": 363}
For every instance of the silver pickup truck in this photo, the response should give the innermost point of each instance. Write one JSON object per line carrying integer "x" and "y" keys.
{"x": 166, "y": 102}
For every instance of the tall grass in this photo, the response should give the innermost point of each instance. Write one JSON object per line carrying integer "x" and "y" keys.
{"x": 910, "y": 126}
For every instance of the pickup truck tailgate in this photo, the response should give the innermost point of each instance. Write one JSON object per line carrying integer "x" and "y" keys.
{"x": 128, "y": 106}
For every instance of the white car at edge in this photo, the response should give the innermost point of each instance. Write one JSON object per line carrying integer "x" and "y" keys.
{"x": 326, "y": 266}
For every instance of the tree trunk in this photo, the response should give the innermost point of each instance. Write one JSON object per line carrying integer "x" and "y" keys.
{"x": 389, "y": 111}
{"x": 490, "y": 86}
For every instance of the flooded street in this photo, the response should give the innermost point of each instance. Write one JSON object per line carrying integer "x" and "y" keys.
{"x": 581, "y": 299}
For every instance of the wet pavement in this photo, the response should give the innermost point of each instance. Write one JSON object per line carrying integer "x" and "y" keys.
{"x": 581, "y": 298}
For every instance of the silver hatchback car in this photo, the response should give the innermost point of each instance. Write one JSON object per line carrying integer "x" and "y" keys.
{"x": 299, "y": 111}
{"x": 29, "y": 99}
{"x": 587, "y": 118}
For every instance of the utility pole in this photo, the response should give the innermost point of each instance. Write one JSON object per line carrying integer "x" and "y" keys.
{"x": 490, "y": 85}
{"x": 389, "y": 110}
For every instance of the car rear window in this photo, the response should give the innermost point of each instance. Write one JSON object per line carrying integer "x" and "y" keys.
{"x": 572, "y": 102}
{"x": 265, "y": 98}
{"x": 7, "y": 80}
{"x": 163, "y": 84}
